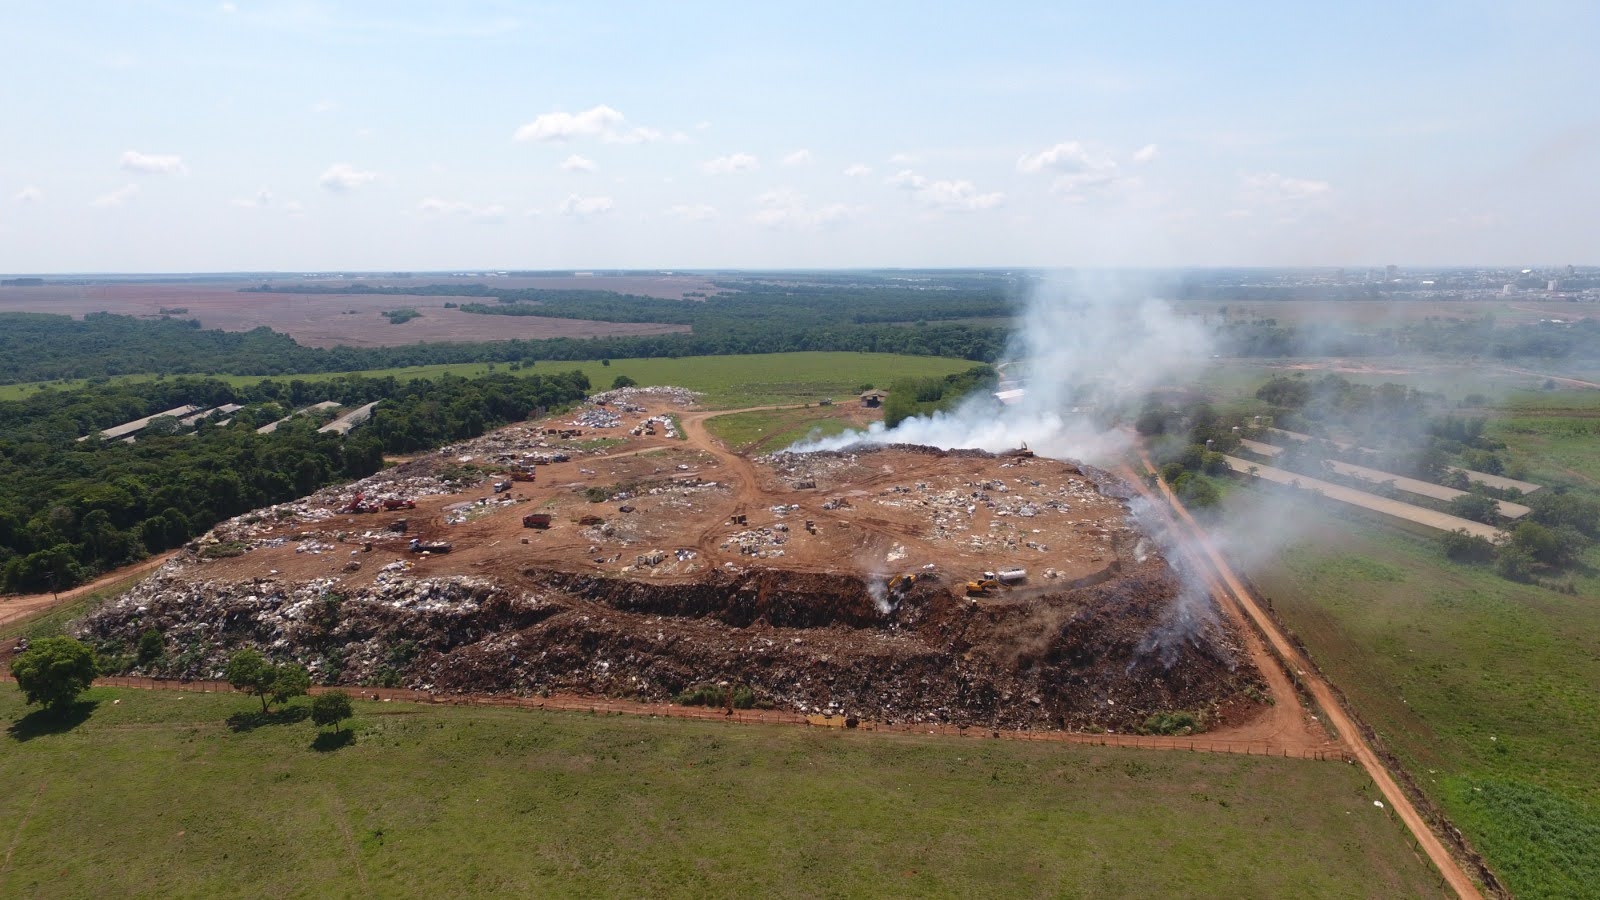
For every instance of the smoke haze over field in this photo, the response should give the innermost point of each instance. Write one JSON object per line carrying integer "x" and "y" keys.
{"x": 1086, "y": 343}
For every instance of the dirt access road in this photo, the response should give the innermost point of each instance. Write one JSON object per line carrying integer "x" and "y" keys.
{"x": 1349, "y": 732}
{"x": 25, "y": 606}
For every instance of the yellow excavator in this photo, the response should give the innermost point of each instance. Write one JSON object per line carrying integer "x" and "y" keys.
{"x": 982, "y": 588}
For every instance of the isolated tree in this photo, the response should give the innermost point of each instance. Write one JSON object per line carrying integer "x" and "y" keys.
{"x": 54, "y": 671}
{"x": 330, "y": 709}
{"x": 622, "y": 381}
{"x": 292, "y": 680}
{"x": 252, "y": 673}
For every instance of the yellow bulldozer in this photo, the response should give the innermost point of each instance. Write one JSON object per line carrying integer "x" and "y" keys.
{"x": 982, "y": 588}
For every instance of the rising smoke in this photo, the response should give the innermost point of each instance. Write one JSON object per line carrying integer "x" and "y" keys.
{"x": 1087, "y": 347}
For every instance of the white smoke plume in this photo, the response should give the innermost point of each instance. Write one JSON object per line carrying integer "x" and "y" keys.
{"x": 1088, "y": 345}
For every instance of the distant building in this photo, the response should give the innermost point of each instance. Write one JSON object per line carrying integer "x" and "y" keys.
{"x": 873, "y": 399}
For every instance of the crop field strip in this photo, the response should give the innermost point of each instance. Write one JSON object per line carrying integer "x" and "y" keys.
{"x": 728, "y": 381}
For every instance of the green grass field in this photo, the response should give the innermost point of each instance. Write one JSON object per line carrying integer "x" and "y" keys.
{"x": 155, "y": 796}
{"x": 728, "y": 381}
{"x": 765, "y": 431}
{"x": 1485, "y": 688}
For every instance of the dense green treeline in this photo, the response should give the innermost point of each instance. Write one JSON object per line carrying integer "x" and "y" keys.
{"x": 910, "y": 397}
{"x": 70, "y": 509}
{"x": 41, "y": 347}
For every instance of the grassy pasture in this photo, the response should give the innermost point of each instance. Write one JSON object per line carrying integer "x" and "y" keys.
{"x": 1485, "y": 688}
{"x": 728, "y": 381}
{"x": 155, "y": 796}
{"x": 765, "y": 431}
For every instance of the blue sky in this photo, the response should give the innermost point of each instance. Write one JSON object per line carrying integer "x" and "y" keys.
{"x": 250, "y": 135}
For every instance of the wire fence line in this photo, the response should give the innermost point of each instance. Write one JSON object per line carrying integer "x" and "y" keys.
{"x": 597, "y": 705}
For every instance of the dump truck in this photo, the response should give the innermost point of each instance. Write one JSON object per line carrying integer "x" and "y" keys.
{"x": 521, "y": 475}
{"x": 1012, "y": 576}
{"x": 420, "y": 546}
{"x": 392, "y": 504}
{"x": 536, "y": 520}
{"x": 500, "y": 487}
{"x": 360, "y": 504}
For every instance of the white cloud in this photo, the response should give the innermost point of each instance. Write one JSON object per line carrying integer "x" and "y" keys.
{"x": 435, "y": 206}
{"x": 29, "y": 194}
{"x": 261, "y": 200}
{"x": 576, "y": 163}
{"x": 798, "y": 158}
{"x": 228, "y": 8}
{"x": 342, "y": 177}
{"x": 785, "y": 208}
{"x": 1145, "y": 154}
{"x": 600, "y": 122}
{"x": 697, "y": 212}
{"x": 324, "y": 106}
{"x": 1079, "y": 170}
{"x": 1272, "y": 187}
{"x": 1067, "y": 156}
{"x": 859, "y": 170}
{"x": 575, "y": 205}
{"x": 152, "y": 163}
{"x": 564, "y": 126}
{"x": 736, "y": 162}
{"x": 117, "y": 197}
{"x": 946, "y": 196}
{"x": 903, "y": 159}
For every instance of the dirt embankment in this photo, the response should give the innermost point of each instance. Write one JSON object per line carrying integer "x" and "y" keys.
{"x": 1079, "y": 659}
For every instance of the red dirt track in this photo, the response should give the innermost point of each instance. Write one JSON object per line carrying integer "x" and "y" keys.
{"x": 1243, "y": 602}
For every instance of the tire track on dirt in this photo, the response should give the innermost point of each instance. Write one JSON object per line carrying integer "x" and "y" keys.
{"x": 343, "y": 819}
{"x": 25, "y": 606}
{"x": 16, "y": 837}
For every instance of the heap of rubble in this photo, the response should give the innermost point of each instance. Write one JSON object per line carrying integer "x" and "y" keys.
{"x": 630, "y": 399}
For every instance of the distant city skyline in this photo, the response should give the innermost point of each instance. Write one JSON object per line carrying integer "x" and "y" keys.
{"x": 312, "y": 136}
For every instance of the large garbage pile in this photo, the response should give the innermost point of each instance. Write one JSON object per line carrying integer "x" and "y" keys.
{"x": 804, "y": 641}
{"x": 632, "y": 399}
